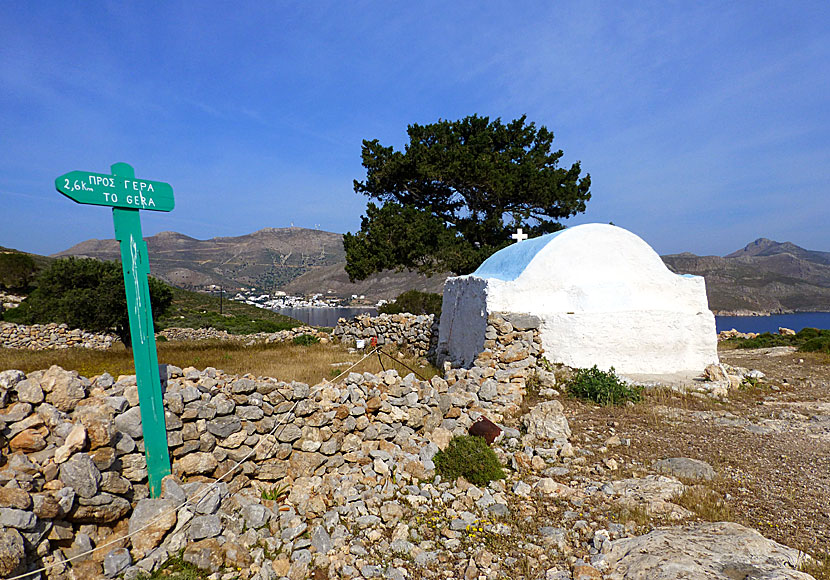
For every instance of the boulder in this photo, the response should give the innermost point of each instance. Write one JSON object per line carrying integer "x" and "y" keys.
{"x": 547, "y": 421}
{"x": 685, "y": 468}
{"x": 704, "y": 551}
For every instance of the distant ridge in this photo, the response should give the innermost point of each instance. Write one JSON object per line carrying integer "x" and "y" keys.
{"x": 767, "y": 247}
{"x": 763, "y": 277}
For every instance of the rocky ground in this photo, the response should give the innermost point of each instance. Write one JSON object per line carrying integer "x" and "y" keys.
{"x": 679, "y": 486}
{"x": 769, "y": 443}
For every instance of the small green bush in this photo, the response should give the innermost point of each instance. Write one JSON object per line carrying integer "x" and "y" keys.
{"x": 305, "y": 340}
{"x": 806, "y": 339}
{"x": 603, "y": 387}
{"x": 817, "y": 344}
{"x": 468, "y": 457}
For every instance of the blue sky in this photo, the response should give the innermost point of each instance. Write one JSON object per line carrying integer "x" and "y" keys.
{"x": 704, "y": 125}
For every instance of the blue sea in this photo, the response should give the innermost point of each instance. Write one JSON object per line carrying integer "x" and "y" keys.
{"x": 324, "y": 316}
{"x": 771, "y": 323}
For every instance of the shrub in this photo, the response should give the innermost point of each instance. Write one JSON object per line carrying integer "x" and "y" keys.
{"x": 807, "y": 339}
{"x": 414, "y": 302}
{"x": 817, "y": 344}
{"x": 306, "y": 340}
{"x": 17, "y": 270}
{"x": 86, "y": 293}
{"x": 603, "y": 387}
{"x": 468, "y": 457}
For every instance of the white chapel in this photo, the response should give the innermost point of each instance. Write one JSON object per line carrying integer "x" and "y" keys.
{"x": 603, "y": 297}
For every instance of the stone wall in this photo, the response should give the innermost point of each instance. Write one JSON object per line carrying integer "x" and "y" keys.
{"x": 59, "y": 336}
{"x": 512, "y": 349}
{"x": 415, "y": 333}
{"x": 267, "y": 337}
{"x": 51, "y": 336}
{"x": 73, "y": 473}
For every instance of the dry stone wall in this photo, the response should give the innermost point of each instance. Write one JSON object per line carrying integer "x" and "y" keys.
{"x": 267, "y": 337}
{"x": 51, "y": 336}
{"x": 73, "y": 474}
{"x": 415, "y": 333}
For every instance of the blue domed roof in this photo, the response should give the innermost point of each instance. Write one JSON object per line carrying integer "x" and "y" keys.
{"x": 508, "y": 264}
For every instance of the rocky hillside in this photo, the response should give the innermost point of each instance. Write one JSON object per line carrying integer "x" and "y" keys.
{"x": 297, "y": 260}
{"x": 765, "y": 276}
{"x": 267, "y": 259}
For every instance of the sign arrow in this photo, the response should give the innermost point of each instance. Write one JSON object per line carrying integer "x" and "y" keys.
{"x": 116, "y": 191}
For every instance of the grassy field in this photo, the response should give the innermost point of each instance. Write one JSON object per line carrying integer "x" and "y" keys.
{"x": 198, "y": 310}
{"x": 285, "y": 361}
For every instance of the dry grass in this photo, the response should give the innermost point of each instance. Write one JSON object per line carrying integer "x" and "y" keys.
{"x": 285, "y": 361}
{"x": 706, "y": 503}
{"x": 818, "y": 567}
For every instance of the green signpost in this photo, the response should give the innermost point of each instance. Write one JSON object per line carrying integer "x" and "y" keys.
{"x": 126, "y": 195}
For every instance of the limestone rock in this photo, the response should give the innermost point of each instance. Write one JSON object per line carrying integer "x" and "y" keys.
{"x": 547, "y": 421}
{"x": 20, "y": 519}
{"x": 195, "y": 464}
{"x": 12, "y": 551}
{"x": 10, "y": 378}
{"x": 29, "y": 391}
{"x": 14, "y": 498}
{"x": 116, "y": 561}
{"x": 160, "y": 514}
{"x": 129, "y": 422}
{"x": 685, "y": 468}
{"x": 102, "y": 509}
{"x": 205, "y": 554}
{"x": 75, "y": 441}
{"x": 704, "y": 551}
{"x": 80, "y": 474}
{"x": 28, "y": 441}
{"x": 64, "y": 389}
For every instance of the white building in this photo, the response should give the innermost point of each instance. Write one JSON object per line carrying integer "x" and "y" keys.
{"x": 603, "y": 296}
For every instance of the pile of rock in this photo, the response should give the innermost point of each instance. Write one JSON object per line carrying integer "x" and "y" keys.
{"x": 8, "y": 301}
{"x": 727, "y": 334}
{"x": 51, "y": 336}
{"x": 267, "y": 337}
{"x": 75, "y": 461}
{"x": 415, "y": 333}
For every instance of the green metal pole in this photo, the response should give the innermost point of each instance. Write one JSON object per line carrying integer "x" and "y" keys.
{"x": 136, "y": 266}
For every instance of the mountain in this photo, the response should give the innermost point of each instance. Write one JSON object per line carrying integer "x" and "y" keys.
{"x": 296, "y": 260}
{"x": 767, "y": 247}
{"x": 266, "y": 259}
{"x": 765, "y": 276}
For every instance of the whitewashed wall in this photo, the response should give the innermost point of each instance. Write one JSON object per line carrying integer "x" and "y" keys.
{"x": 604, "y": 297}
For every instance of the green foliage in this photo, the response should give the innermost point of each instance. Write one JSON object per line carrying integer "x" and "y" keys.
{"x": 276, "y": 493}
{"x": 603, "y": 387}
{"x": 414, "y": 302}
{"x": 818, "y": 344}
{"x": 175, "y": 568}
{"x": 807, "y": 340}
{"x": 468, "y": 457}
{"x": 198, "y": 310}
{"x": 455, "y": 194}
{"x": 306, "y": 340}
{"x": 17, "y": 270}
{"x": 88, "y": 294}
